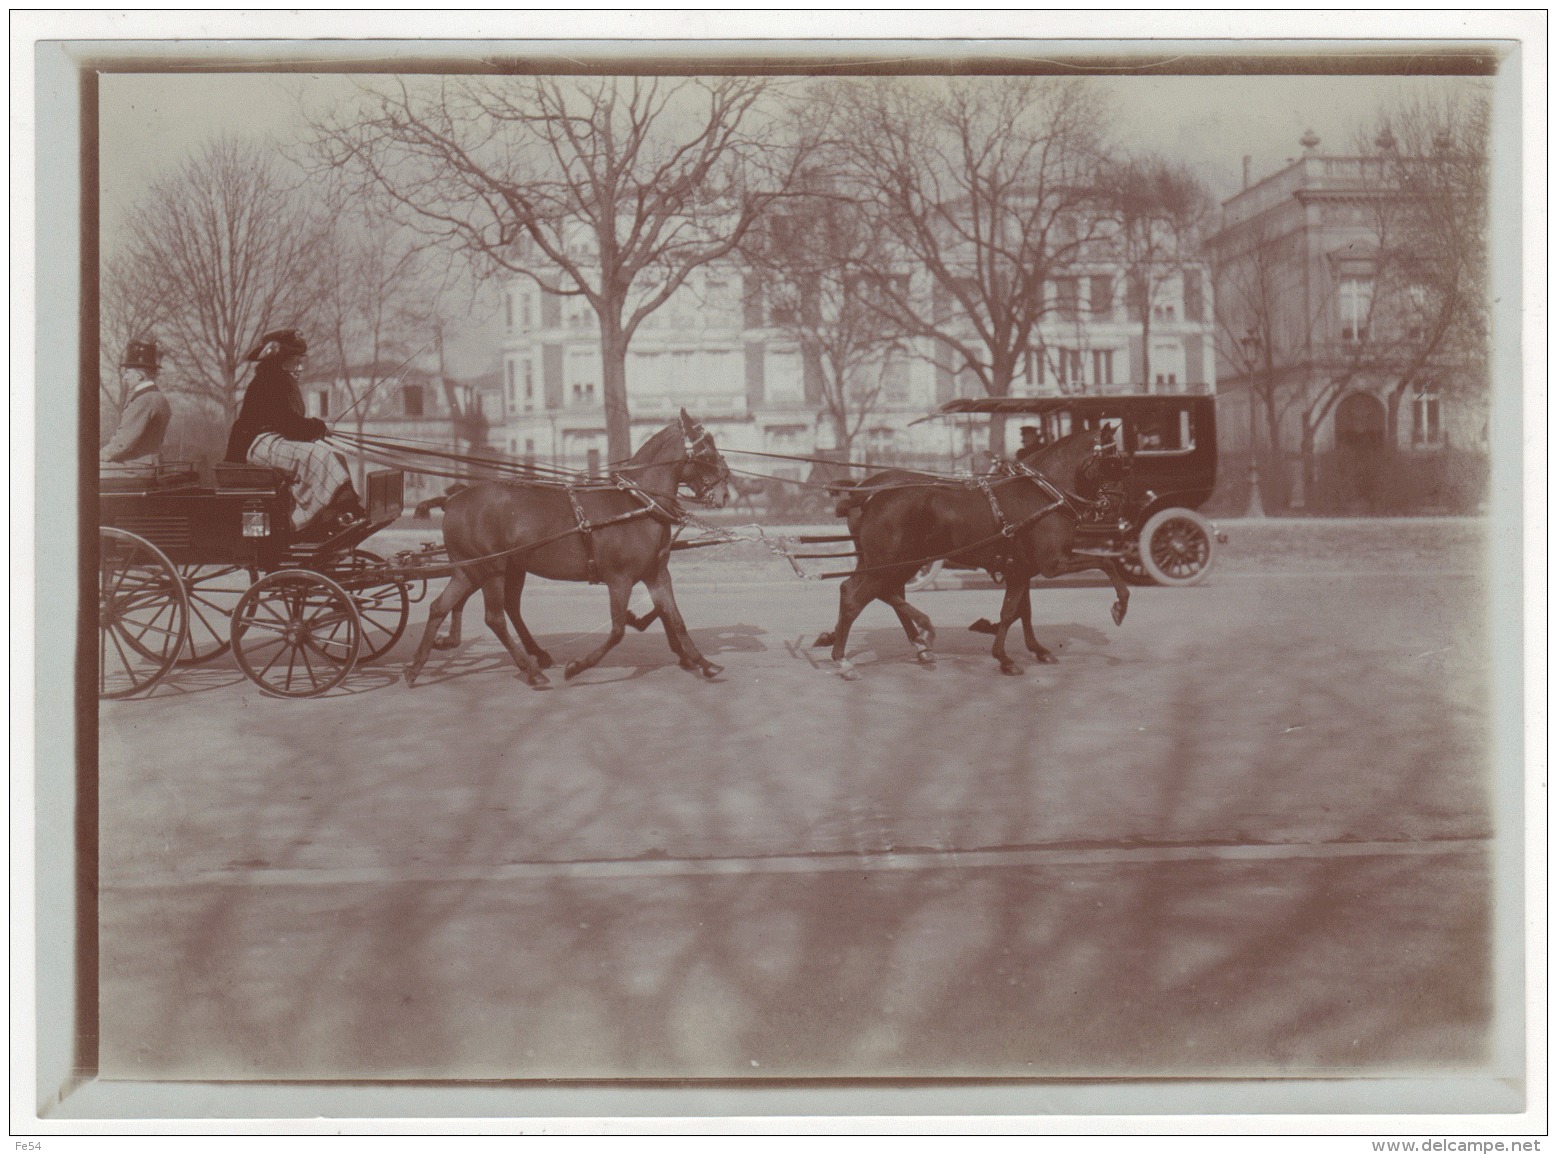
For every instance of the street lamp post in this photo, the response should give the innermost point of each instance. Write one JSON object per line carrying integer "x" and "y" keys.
{"x": 1253, "y": 349}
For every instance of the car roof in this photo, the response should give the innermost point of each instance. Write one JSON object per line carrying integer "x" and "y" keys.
{"x": 1014, "y": 406}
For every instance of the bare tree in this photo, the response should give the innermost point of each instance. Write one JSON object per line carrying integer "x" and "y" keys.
{"x": 1432, "y": 259}
{"x": 132, "y": 306}
{"x": 233, "y": 245}
{"x": 376, "y": 314}
{"x": 813, "y": 260}
{"x": 987, "y": 185}
{"x": 1156, "y": 206}
{"x": 610, "y": 189}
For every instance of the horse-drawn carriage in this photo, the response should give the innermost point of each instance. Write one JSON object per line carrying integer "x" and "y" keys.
{"x": 194, "y": 562}
{"x": 1167, "y": 455}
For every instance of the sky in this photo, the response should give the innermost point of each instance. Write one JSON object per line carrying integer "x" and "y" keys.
{"x": 149, "y": 123}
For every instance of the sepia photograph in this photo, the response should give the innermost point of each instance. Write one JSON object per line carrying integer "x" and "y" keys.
{"x": 796, "y": 577}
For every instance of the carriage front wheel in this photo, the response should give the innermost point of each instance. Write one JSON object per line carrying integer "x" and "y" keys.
{"x": 296, "y": 633}
{"x": 383, "y": 600}
{"x": 1177, "y": 547}
{"x": 142, "y": 614}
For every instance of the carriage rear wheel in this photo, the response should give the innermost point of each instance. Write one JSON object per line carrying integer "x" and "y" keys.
{"x": 296, "y": 633}
{"x": 142, "y": 614}
{"x": 383, "y": 604}
{"x": 213, "y": 592}
{"x": 1178, "y": 547}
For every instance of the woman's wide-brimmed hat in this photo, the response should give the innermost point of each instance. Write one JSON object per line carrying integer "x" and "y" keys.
{"x": 278, "y": 343}
{"x": 141, "y": 355}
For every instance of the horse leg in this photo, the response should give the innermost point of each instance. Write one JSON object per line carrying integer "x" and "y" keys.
{"x": 1073, "y": 564}
{"x": 619, "y": 589}
{"x": 492, "y": 594}
{"x": 448, "y": 602}
{"x": 676, "y": 632}
{"x": 1033, "y": 644}
{"x": 513, "y": 587}
{"x": 1010, "y": 610}
{"x": 916, "y": 624}
{"x": 642, "y": 623}
{"x": 854, "y": 595}
{"x": 451, "y": 639}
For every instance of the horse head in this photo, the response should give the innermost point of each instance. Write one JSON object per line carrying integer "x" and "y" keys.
{"x": 706, "y": 473}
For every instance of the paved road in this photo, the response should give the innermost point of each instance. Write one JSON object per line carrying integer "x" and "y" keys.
{"x": 1247, "y": 831}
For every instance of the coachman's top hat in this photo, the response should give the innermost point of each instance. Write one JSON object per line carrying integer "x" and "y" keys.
{"x": 278, "y": 343}
{"x": 141, "y": 355}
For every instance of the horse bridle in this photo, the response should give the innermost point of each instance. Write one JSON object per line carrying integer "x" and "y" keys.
{"x": 703, "y": 458}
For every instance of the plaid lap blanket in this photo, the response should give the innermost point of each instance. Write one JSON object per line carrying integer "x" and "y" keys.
{"x": 316, "y": 471}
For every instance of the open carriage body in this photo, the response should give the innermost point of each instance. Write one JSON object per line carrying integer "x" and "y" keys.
{"x": 1167, "y": 470}
{"x": 194, "y": 563}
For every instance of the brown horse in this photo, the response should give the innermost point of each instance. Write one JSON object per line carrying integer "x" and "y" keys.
{"x": 852, "y": 496}
{"x": 497, "y": 532}
{"x": 1020, "y": 526}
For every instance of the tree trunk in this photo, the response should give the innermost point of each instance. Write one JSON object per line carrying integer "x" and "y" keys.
{"x": 1305, "y": 473}
{"x": 613, "y": 386}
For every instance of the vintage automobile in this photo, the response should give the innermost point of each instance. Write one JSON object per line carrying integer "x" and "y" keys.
{"x": 1167, "y": 444}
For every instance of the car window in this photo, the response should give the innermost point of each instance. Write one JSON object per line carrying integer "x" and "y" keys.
{"x": 1164, "y": 429}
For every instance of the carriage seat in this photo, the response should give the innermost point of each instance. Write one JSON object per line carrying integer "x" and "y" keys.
{"x": 145, "y": 476}
{"x": 235, "y": 475}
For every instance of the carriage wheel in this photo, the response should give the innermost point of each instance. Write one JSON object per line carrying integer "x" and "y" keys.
{"x": 296, "y": 633}
{"x": 213, "y": 592}
{"x": 1177, "y": 547}
{"x": 383, "y": 605}
{"x": 926, "y": 577}
{"x": 142, "y": 614}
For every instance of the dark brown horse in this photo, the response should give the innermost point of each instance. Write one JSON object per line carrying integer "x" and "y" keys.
{"x": 497, "y": 532}
{"x": 1020, "y": 525}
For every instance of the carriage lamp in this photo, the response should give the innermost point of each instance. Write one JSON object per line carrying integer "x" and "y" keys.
{"x": 256, "y": 523}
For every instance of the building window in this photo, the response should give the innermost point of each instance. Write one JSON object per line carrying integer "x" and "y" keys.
{"x": 513, "y": 399}
{"x": 322, "y": 400}
{"x": 1102, "y": 366}
{"x": 1356, "y": 302}
{"x": 1426, "y": 418}
{"x": 1032, "y": 368}
{"x": 1164, "y": 313}
{"x": 1065, "y": 297}
{"x": 529, "y": 387}
{"x": 584, "y": 393}
{"x": 508, "y": 311}
{"x": 1102, "y": 295}
{"x": 411, "y": 396}
{"x": 1069, "y": 367}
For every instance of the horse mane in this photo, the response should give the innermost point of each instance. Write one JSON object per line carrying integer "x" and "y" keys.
{"x": 650, "y": 449}
{"x": 1056, "y": 455}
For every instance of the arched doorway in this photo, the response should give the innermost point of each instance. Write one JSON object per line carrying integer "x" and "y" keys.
{"x": 1359, "y": 445}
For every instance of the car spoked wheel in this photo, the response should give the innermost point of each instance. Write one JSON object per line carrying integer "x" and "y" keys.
{"x": 1177, "y": 547}
{"x": 142, "y": 614}
{"x": 296, "y": 633}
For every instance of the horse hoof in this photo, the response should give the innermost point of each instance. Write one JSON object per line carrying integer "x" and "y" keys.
{"x": 711, "y": 670}
{"x": 983, "y": 626}
{"x": 822, "y": 640}
{"x": 410, "y": 677}
{"x": 540, "y": 682}
{"x": 573, "y": 669}
{"x": 1010, "y": 668}
{"x": 925, "y": 658}
{"x": 1046, "y": 658}
{"x": 847, "y": 672}
{"x": 1119, "y": 613}
{"x": 927, "y": 635}
{"x": 445, "y": 643}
